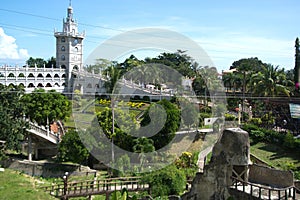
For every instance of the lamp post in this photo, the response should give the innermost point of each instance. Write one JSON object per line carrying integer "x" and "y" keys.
{"x": 113, "y": 129}
{"x": 65, "y": 179}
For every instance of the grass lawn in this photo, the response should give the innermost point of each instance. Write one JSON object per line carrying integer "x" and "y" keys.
{"x": 14, "y": 185}
{"x": 276, "y": 156}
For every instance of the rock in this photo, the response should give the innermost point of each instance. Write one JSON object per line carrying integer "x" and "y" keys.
{"x": 2, "y": 169}
{"x": 231, "y": 149}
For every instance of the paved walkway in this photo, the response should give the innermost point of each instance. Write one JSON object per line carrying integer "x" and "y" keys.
{"x": 202, "y": 158}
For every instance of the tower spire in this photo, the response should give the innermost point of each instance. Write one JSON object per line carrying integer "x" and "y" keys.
{"x": 70, "y": 3}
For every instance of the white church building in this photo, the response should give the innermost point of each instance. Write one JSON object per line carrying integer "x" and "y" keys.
{"x": 69, "y": 65}
{"x": 69, "y": 74}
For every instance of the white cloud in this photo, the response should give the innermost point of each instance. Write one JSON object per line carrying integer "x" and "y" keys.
{"x": 9, "y": 50}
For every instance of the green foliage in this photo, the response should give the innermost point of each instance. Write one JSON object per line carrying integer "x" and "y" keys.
{"x": 289, "y": 141}
{"x": 126, "y": 124}
{"x": 146, "y": 98}
{"x": 40, "y": 62}
{"x": 121, "y": 166}
{"x": 117, "y": 195}
{"x": 189, "y": 113}
{"x": 185, "y": 160}
{"x": 260, "y": 134}
{"x": 202, "y": 117}
{"x": 16, "y": 185}
{"x": 72, "y": 149}
{"x": 167, "y": 181}
{"x": 40, "y": 105}
{"x": 166, "y": 134}
{"x": 256, "y": 121}
{"x": 230, "y": 117}
{"x": 77, "y": 102}
{"x": 268, "y": 120}
{"x": 143, "y": 145}
{"x": 12, "y": 125}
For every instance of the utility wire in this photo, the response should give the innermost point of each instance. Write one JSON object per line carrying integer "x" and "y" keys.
{"x": 15, "y": 27}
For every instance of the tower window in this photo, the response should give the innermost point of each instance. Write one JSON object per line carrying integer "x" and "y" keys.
{"x": 63, "y": 57}
{"x": 63, "y": 39}
{"x": 63, "y": 48}
{"x": 75, "y": 42}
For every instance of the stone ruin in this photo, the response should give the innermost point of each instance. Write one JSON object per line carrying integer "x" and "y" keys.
{"x": 230, "y": 157}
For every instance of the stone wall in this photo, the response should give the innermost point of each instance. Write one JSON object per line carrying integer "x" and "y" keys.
{"x": 269, "y": 176}
{"x": 44, "y": 169}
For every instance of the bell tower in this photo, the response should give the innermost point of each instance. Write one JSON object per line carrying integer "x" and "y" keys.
{"x": 69, "y": 48}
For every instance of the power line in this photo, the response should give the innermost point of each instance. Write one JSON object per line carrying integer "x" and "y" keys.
{"x": 209, "y": 49}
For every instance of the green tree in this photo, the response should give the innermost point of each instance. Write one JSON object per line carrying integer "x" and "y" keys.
{"x": 270, "y": 82}
{"x": 72, "y": 149}
{"x": 179, "y": 61}
{"x": 39, "y": 62}
{"x": 169, "y": 128}
{"x": 124, "y": 124}
{"x": 143, "y": 145}
{"x": 51, "y": 63}
{"x": 12, "y": 125}
{"x": 114, "y": 74}
{"x": 297, "y": 65}
{"x": 41, "y": 106}
{"x": 189, "y": 114}
{"x": 130, "y": 63}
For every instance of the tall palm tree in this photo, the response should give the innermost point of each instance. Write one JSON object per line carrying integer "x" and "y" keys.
{"x": 114, "y": 74}
{"x": 270, "y": 82}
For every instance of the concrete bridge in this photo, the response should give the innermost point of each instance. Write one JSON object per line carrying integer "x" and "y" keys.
{"x": 41, "y": 140}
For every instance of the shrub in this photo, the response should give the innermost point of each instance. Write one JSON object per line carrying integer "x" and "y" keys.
{"x": 257, "y": 135}
{"x": 72, "y": 149}
{"x": 167, "y": 181}
{"x": 146, "y": 98}
{"x": 289, "y": 141}
{"x": 256, "y": 121}
{"x": 230, "y": 117}
{"x": 121, "y": 166}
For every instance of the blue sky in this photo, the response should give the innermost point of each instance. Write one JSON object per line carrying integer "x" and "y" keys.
{"x": 226, "y": 30}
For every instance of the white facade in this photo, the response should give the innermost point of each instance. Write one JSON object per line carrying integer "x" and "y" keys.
{"x": 69, "y": 57}
{"x": 31, "y": 78}
{"x": 69, "y": 48}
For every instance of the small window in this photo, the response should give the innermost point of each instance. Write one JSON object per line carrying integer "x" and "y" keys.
{"x": 63, "y": 57}
{"x": 63, "y": 39}
{"x": 63, "y": 48}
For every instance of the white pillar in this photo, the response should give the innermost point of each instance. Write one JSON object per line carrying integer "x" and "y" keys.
{"x": 29, "y": 148}
{"x": 239, "y": 114}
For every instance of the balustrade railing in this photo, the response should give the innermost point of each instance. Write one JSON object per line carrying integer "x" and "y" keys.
{"x": 42, "y": 130}
{"x": 262, "y": 191}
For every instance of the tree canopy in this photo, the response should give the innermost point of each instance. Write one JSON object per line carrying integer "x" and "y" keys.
{"x": 41, "y": 106}
{"x": 12, "y": 125}
{"x": 171, "y": 125}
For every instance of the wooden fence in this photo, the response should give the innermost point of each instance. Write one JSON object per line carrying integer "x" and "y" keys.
{"x": 264, "y": 192}
{"x": 68, "y": 189}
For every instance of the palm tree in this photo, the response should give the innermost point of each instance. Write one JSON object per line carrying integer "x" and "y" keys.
{"x": 114, "y": 74}
{"x": 270, "y": 82}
